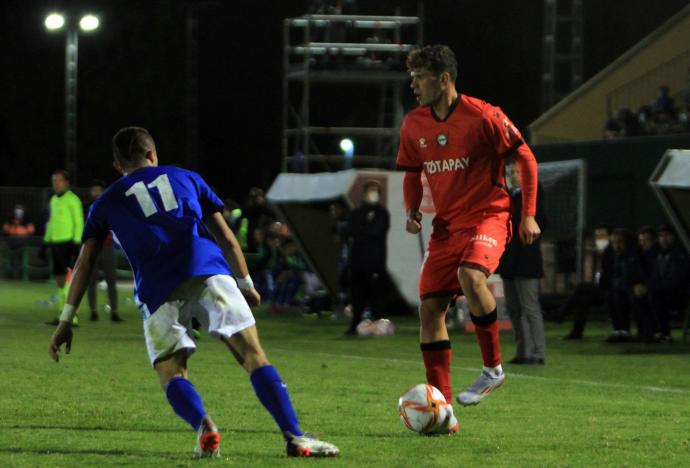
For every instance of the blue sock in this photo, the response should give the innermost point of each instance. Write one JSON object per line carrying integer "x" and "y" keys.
{"x": 272, "y": 393}
{"x": 185, "y": 401}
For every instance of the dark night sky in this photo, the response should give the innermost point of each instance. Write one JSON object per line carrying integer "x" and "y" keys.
{"x": 132, "y": 71}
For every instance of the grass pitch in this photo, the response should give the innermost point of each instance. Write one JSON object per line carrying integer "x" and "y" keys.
{"x": 593, "y": 404}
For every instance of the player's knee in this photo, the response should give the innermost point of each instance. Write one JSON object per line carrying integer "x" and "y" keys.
{"x": 431, "y": 314}
{"x": 165, "y": 376}
{"x": 471, "y": 280}
{"x": 254, "y": 359}
{"x": 248, "y": 353}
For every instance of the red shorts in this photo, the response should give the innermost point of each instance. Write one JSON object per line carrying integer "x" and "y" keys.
{"x": 479, "y": 247}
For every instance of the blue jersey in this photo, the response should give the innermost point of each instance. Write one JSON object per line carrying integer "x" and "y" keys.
{"x": 155, "y": 214}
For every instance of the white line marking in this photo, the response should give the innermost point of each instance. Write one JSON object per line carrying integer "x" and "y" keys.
{"x": 589, "y": 383}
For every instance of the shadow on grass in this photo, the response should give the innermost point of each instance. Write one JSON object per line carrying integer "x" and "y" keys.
{"x": 597, "y": 346}
{"x": 182, "y": 429}
{"x": 110, "y": 452}
{"x": 93, "y": 428}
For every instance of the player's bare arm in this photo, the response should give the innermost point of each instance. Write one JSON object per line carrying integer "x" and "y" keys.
{"x": 233, "y": 253}
{"x": 80, "y": 282}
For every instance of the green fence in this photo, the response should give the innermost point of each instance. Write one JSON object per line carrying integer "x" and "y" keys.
{"x": 618, "y": 171}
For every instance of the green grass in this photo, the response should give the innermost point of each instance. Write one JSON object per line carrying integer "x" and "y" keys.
{"x": 593, "y": 404}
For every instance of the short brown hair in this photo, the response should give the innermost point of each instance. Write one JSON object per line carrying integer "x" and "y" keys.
{"x": 63, "y": 173}
{"x": 435, "y": 58}
{"x": 130, "y": 144}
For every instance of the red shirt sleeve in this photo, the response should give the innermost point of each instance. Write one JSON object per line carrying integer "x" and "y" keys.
{"x": 507, "y": 141}
{"x": 412, "y": 190}
{"x": 527, "y": 164}
{"x": 502, "y": 134}
{"x": 408, "y": 156}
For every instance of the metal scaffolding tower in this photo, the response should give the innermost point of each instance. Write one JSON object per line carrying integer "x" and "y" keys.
{"x": 561, "y": 50}
{"x": 346, "y": 53}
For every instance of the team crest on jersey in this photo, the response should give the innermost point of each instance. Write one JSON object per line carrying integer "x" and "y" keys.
{"x": 442, "y": 139}
{"x": 422, "y": 142}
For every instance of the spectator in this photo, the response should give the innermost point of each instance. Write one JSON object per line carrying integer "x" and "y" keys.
{"x": 105, "y": 265}
{"x": 669, "y": 283}
{"x": 258, "y": 214}
{"x": 596, "y": 293}
{"x": 366, "y": 230}
{"x": 18, "y": 230}
{"x": 684, "y": 117}
{"x": 63, "y": 233}
{"x": 290, "y": 269}
{"x": 624, "y": 123}
{"x": 663, "y": 103}
{"x": 520, "y": 268}
{"x": 644, "y": 119}
{"x": 626, "y": 282}
{"x": 232, "y": 213}
{"x": 644, "y": 315}
{"x": 262, "y": 267}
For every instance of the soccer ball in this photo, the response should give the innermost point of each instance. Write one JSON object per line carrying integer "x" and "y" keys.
{"x": 423, "y": 408}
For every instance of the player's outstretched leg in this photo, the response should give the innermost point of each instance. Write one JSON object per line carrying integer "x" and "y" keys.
{"x": 484, "y": 317}
{"x": 187, "y": 403}
{"x": 273, "y": 395}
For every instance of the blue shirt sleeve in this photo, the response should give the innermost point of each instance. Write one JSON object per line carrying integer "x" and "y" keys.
{"x": 96, "y": 226}
{"x": 209, "y": 201}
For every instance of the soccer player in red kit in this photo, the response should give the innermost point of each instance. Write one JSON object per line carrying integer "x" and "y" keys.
{"x": 460, "y": 143}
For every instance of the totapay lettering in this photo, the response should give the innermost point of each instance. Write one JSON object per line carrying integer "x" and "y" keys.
{"x": 446, "y": 165}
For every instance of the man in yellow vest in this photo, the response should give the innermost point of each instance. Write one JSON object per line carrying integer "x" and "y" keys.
{"x": 63, "y": 232}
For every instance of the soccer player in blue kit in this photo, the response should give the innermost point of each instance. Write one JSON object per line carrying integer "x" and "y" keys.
{"x": 170, "y": 225}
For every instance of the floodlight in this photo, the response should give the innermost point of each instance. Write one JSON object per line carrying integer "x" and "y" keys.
{"x": 54, "y": 21}
{"x": 347, "y": 146}
{"x": 89, "y": 23}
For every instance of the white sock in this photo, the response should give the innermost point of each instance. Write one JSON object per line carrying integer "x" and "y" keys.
{"x": 495, "y": 371}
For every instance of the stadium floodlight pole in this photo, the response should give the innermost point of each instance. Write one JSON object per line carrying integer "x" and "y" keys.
{"x": 87, "y": 23}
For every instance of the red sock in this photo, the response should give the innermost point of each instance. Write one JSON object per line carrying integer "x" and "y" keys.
{"x": 486, "y": 328}
{"x": 437, "y": 357}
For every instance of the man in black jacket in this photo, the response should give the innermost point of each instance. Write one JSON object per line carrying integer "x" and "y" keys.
{"x": 365, "y": 231}
{"x": 520, "y": 268}
{"x": 626, "y": 279}
{"x": 648, "y": 250}
{"x": 670, "y": 281}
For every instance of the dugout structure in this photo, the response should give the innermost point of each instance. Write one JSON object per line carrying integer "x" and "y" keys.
{"x": 304, "y": 202}
{"x": 671, "y": 184}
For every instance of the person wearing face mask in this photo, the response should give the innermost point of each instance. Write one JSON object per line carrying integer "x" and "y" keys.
{"x": 18, "y": 230}
{"x": 594, "y": 293}
{"x": 365, "y": 231}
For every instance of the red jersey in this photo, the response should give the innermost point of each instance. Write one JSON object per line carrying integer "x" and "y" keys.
{"x": 462, "y": 158}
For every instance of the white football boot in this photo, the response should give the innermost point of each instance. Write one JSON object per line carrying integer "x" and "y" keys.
{"x": 208, "y": 440}
{"x": 307, "y": 445}
{"x": 485, "y": 384}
